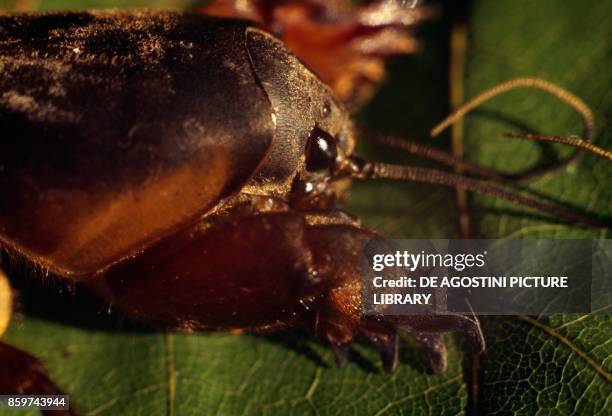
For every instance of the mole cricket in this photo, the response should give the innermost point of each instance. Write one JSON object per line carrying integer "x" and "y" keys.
{"x": 189, "y": 170}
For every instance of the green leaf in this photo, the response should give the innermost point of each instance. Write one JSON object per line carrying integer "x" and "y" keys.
{"x": 564, "y": 43}
{"x": 558, "y": 364}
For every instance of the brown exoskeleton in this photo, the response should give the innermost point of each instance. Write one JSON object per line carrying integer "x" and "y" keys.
{"x": 187, "y": 169}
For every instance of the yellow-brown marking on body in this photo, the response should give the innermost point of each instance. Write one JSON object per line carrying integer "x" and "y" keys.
{"x": 6, "y": 302}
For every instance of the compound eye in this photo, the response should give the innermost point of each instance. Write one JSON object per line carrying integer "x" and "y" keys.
{"x": 321, "y": 151}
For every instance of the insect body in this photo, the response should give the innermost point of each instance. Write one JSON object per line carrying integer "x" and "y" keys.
{"x": 187, "y": 169}
{"x": 179, "y": 165}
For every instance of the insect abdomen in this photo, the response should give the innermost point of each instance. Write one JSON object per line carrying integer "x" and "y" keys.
{"x": 119, "y": 128}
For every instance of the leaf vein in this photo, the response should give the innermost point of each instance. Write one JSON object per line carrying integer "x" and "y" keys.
{"x": 553, "y": 333}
